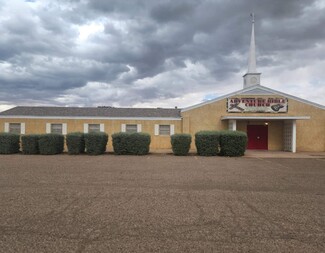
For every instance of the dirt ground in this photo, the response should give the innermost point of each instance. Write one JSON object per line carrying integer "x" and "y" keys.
{"x": 161, "y": 203}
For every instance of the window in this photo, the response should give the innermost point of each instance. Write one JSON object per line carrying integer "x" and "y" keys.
{"x": 164, "y": 130}
{"x": 93, "y": 128}
{"x": 131, "y": 128}
{"x": 56, "y": 128}
{"x": 14, "y": 128}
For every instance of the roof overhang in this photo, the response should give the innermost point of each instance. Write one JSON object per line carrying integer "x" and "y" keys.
{"x": 265, "y": 117}
{"x": 85, "y": 117}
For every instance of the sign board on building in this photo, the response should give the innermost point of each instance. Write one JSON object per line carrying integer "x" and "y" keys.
{"x": 256, "y": 104}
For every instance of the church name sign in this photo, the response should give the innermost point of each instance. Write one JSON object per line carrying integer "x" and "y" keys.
{"x": 255, "y": 104}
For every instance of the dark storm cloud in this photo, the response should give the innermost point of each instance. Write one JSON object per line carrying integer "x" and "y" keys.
{"x": 168, "y": 12}
{"x": 43, "y": 58}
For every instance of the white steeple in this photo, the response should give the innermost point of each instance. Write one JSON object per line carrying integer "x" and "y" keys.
{"x": 252, "y": 57}
{"x": 252, "y": 78}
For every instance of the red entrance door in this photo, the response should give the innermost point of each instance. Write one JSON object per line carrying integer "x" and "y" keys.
{"x": 257, "y": 136}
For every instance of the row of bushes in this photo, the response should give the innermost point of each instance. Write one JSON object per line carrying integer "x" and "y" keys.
{"x": 224, "y": 143}
{"x": 51, "y": 144}
{"x": 208, "y": 143}
{"x": 211, "y": 143}
{"x": 77, "y": 143}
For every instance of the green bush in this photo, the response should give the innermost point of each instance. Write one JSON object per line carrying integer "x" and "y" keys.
{"x": 95, "y": 143}
{"x": 29, "y": 143}
{"x": 232, "y": 143}
{"x": 9, "y": 143}
{"x": 181, "y": 143}
{"x": 51, "y": 144}
{"x": 75, "y": 143}
{"x": 207, "y": 143}
{"x": 131, "y": 143}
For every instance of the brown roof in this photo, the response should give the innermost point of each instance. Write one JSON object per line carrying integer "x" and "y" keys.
{"x": 114, "y": 112}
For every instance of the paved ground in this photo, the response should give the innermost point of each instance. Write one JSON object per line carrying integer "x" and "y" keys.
{"x": 262, "y": 154}
{"x": 161, "y": 203}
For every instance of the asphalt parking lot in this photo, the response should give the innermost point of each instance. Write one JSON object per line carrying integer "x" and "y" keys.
{"x": 161, "y": 203}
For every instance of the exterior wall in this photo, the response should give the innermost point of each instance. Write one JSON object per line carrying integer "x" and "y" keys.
{"x": 310, "y": 133}
{"x": 38, "y": 126}
{"x": 207, "y": 117}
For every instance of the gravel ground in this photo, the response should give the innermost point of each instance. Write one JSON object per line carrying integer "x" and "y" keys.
{"x": 161, "y": 203}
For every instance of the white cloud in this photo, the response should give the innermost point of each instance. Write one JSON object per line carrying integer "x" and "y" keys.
{"x": 87, "y": 30}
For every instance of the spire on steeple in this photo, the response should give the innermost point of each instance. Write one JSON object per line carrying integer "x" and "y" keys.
{"x": 252, "y": 57}
{"x": 252, "y": 78}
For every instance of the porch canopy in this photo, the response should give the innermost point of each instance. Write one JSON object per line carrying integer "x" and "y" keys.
{"x": 289, "y": 130}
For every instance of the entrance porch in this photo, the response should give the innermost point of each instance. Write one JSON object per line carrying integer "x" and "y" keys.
{"x": 267, "y": 133}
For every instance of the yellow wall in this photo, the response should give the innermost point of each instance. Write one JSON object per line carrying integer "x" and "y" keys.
{"x": 310, "y": 133}
{"x": 38, "y": 126}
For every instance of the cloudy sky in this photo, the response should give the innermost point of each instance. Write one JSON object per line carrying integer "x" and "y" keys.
{"x": 162, "y": 53}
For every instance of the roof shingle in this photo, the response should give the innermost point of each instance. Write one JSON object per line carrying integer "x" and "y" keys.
{"x": 92, "y": 112}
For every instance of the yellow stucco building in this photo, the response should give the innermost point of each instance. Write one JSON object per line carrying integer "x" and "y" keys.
{"x": 158, "y": 122}
{"x": 272, "y": 120}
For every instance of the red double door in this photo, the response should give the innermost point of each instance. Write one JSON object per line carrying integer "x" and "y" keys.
{"x": 257, "y": 137}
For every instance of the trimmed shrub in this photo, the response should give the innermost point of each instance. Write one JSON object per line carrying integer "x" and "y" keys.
{"x": 232, "y": 143}
{"x": 207, "y": 143}
{"x": 131, "y": 143}
{"x": 51, "y": 144}
{"x": 9, "y": 143}
{"x": 181, "y": 143}
{"x": 29, "y": 144}
{"x": 95, "y": 143}
{"x": 75, "y": 143}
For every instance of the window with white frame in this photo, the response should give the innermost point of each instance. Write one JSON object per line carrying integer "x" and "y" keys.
{"x": 164, "y": 130}
{"x": 17, "y": 128}
{"x": 56, "y": 128}
{"x": 131, "y": 128}
{"x": 93, "y": 128}
{"x": 14, "y": 128}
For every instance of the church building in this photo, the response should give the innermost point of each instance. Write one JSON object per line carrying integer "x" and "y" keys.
{"x": 273, "y": 120}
